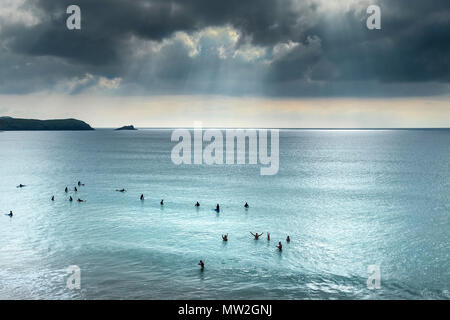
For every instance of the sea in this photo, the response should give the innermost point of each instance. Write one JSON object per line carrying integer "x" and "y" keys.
{"x": 367, "y": 212}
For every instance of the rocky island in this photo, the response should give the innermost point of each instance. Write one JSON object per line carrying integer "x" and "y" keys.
{"x": 130, "y": 127}
{"x": 17, "y": 124}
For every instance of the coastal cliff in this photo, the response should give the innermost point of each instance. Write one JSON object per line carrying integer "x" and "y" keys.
{"x": 17, "y": 124}
{"x": 130, "y": 127}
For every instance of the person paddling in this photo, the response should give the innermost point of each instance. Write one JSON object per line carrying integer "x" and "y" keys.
{"x": 217, "y": 208}
{"x": 79, "y": 200}
{"x": 225, "y": 237}
{"x": 10, "y": 214}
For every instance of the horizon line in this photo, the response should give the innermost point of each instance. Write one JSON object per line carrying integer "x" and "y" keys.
{"x": 293, "y": 128}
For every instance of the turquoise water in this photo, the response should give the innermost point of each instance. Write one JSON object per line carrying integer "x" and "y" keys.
{"x": 348, "y": 199}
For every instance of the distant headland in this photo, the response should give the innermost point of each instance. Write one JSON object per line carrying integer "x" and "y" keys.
{"x": 130, "y": 127}
{"x": 16, "y": 124}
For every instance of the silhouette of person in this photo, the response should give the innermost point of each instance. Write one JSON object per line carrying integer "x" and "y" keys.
{"x": 280, "y": 246}
{"x": 256, "y": 235}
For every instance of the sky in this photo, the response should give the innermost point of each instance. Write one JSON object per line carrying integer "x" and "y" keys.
{"x": 234, "y": 63}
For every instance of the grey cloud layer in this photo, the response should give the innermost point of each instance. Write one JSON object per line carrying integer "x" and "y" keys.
{"x": 257, "y": 47}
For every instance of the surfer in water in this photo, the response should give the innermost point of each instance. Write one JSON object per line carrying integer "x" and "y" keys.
{"x": 20, "y": 186}
{"x": 79, "y": 200}
{"x": 66, "y": 190}
{"x": 75, "y": 189}
{"x": 70, "y": 199}
{"x": 288, "y": 239}
{"x": 256, "y": 235}
{"x": 280, "y": 246}
{"x": 268, "y": 236}
{"x": 10, "y": 214}
{"x": 162, "y": 202}
{"x": 197, "y": 204}
{"x": 201, "y": 264}
{"x": 217, "y": 208}
{"x": 80, "y": 184}
{"x": 225, "y": 237}
{"x": 121, "y": 190}
{"x": 53, "y": 198}
{"x": 142, "y": 197}
{"x": 246, "y": 205}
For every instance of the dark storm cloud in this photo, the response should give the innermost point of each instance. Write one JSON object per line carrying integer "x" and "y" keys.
{"x": 284, "y": 47}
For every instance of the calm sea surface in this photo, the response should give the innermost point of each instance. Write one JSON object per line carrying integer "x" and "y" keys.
{"x": 348, "y": 199}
